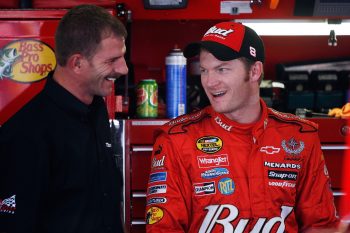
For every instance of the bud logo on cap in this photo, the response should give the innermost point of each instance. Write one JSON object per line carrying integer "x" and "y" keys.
{"x": 220, "y": 31}
{"x": 227, "y": 34}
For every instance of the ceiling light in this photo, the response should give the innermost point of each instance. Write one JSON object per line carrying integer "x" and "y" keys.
{"x": 296, "y": 27}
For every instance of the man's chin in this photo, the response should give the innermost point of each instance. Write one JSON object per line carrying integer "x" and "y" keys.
{"x": 105, "y": 93}
{"x": 219, "y": 109}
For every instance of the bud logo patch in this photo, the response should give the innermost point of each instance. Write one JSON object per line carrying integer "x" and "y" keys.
{"x": 222, "y": 124}
{"x": 158, "y": 163}
{"x": 218, "y": 31}
{"x": 215, "y": 220}
{"x": 26, "y": 61}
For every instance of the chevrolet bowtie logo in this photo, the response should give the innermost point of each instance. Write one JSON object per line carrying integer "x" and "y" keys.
{"x": 270, "y": 150}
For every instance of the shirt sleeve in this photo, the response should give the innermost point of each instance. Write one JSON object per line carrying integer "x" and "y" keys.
{"x": 24, "y": 174}
{"x": 168, "y": 207}
{"x": 315, "y": 204}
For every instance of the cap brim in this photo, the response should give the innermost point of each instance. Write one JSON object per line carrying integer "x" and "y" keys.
{"x": 220, "y": 51}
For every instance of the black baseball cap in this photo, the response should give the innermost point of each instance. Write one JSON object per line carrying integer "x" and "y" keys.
{"x": 228, "y": 41}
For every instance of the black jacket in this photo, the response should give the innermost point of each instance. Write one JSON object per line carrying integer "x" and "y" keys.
{"x": 56, "y": 158}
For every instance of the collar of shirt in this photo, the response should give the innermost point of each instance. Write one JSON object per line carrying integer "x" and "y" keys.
{"x": 66, "y": 100}
{"x": 256, "y": 129}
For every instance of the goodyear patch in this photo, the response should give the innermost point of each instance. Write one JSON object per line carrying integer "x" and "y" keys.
{"x": 209, "y": 144}
{"x": 154, "y": 215}
{"x": 226, "y": 186}
{"x": 26, "y": 60}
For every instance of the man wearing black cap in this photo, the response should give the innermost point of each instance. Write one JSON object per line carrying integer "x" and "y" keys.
{"x": 237, "y": 165}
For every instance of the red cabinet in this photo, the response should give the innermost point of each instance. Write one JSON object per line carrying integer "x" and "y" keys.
{"x": 139, "y": 141}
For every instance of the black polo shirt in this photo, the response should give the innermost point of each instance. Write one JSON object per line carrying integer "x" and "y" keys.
{"x": 56, "y": 158}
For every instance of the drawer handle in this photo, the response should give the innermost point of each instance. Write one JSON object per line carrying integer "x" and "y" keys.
{"x": 142, "y": 148}
{"x": 338, "y": 193}
{"x": 138, "y": 222}
{"x": 332, "y": 147}
{"x": 139, "y": 194}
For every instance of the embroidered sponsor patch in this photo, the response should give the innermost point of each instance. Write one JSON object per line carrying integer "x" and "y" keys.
{"x": 215, "y": 172}
{"x": 8, "y": 205}
{"x": 157, "y": 177}
{"x": 206, "y": 161}
{"x": 293, "y": 147}
{"x": 270, "y": 150}
{"x": 154, "y": 215}
{"x": 156, "y": 200}
{"x": 226, "y": 186}
{"x": 228, "y": 218}
{"x": 282, "y": 165}
{"x": 222, "y": 124}
{"x": 282, "y": 175}
{"x": 158, "y": 163}
{"x": 283, "y": 184}
{"x": 157, "y": 189}
{"x": 204, "y": 188}
{"x": 209, "y": 144}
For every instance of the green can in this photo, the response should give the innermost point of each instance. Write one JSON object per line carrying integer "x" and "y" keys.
{"x": 147, "y": 99}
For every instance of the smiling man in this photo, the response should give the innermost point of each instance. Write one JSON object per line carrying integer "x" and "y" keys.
{"x": 57, "y": 171}
{"x": 237, "y": 165}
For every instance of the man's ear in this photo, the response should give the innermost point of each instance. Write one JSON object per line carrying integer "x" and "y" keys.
{"x": 75, "y": 62}
{"x": 256, "y": 71}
